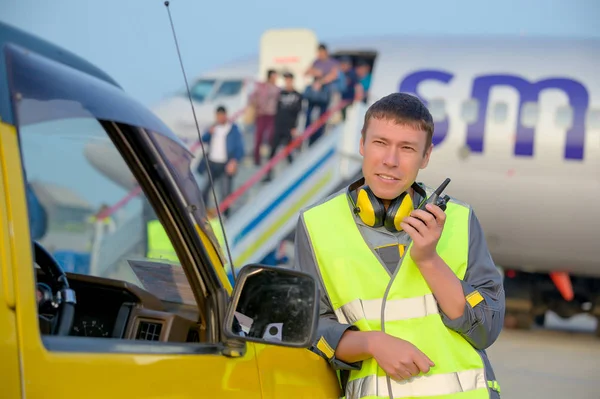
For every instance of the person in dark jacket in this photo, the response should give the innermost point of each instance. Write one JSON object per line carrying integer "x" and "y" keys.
{"x": 317, "y": 96}
{"x": 289, "y": 105}
{"x": 224, "y": 155}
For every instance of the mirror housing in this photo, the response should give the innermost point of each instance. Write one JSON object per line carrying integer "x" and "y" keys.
{"x": 273, "y": 305}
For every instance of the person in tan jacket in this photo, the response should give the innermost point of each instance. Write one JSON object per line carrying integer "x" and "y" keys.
{"x": 264, "y": 100}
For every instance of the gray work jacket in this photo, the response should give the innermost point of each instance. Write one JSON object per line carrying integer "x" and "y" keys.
{"x": 479, "y": 325}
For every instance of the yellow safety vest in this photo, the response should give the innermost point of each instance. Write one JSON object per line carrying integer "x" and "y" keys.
{"x": 216, "y": 226}
{"x": 159, "y": 245}
{"x": 356, "y": 283}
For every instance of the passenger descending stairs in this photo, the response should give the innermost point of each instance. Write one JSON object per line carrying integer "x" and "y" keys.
{"x": 269, "y": 212}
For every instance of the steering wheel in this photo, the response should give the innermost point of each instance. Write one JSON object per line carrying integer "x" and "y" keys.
{"x": 62, "y": 297}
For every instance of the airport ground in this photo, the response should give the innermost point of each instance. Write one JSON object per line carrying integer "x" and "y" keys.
{"x": 561, "y": 360}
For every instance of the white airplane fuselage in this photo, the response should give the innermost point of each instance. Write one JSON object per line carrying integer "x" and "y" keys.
{"x": 531, "y": 186}
{"x": 517, "y": 129}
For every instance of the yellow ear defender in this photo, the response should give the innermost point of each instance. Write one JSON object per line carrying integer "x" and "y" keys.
{"x": 372, "y": 212}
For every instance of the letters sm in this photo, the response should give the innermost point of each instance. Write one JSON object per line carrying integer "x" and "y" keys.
{"x": 528, "y": 92}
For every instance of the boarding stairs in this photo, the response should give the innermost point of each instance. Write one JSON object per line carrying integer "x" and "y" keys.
{"x": 264, "y": 214}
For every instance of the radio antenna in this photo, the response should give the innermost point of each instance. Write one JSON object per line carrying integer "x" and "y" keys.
{"x": 212, "y": 186}
{"x": 442, "y": 186}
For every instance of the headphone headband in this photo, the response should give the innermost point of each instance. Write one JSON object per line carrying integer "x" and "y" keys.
{"x": 372, "y": 211}
{"x": 361, "y": 182}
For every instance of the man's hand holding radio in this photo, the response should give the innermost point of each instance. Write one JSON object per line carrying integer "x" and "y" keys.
{"x": 425, "y": 230}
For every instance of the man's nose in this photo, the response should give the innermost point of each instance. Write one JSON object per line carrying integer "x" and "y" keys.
{"x": 391, "y": 158}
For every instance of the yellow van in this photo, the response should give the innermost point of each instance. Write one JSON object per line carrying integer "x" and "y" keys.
{"x": 85, "y": 311}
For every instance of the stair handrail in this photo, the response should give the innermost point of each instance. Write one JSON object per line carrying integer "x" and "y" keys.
{"x": 308, "y": 132}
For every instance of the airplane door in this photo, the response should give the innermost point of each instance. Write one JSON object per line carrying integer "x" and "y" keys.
{"x": 287, "y": 50}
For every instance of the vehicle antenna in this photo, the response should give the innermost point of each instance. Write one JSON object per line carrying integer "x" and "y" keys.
{"x": 212, "y": 186}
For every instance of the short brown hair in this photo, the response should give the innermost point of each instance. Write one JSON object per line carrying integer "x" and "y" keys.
{"x": 402, "y": 109}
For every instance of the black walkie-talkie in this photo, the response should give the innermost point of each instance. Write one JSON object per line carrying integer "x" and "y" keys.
{"x": 436, "y": 199}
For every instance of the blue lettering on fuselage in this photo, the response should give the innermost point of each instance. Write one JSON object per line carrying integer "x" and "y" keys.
{"x": 528, "y": 92}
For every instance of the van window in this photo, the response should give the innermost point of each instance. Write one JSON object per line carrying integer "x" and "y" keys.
{"x": 98, "y": 221}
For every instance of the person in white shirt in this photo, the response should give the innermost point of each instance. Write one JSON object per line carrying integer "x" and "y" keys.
{"x": 224, "y": 155}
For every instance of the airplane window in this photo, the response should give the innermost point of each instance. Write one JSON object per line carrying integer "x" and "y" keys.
{"x": 564, "y": 117}
{"x": 469, "y": 111}
{"x": 593, "y": 119}
{"x": 529, "y": 114}
{"x": 202, "y": 90}
{"x": 500, "y": 112}
{"x": 437, "y": 107}
{"x": 229, "y": 88}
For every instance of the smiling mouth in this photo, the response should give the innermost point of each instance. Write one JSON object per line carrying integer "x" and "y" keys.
{"x": 388, "y": 177}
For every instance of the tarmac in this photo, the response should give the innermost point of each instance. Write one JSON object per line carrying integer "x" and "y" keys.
{"x": 560, "y": 360}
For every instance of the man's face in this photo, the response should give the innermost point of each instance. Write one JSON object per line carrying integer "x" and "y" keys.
{"x": 392, "y": 156}
{"x": 289, "y": 83}
{"x": 221, "y": 118}
{"x": 322, "y": 54}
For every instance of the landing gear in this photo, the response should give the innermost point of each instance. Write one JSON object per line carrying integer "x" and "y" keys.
{"x": 529, "y": 296}
{"x": 518, "y": 320}
{"x": 523, "y": 320}
{"x": 540, "y": 320}
{"x": 519, "y": 302}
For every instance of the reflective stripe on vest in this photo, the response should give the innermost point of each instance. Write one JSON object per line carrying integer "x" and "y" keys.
{"x": 430, "y": 385}
{"x": 399, "y": 309}
{"x": 410, "y": 311}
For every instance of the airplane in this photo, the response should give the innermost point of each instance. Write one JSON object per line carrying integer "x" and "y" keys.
{"x": 517, "y": 129}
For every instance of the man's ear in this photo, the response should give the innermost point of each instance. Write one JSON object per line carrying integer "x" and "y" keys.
{"x": 426, "y": 157}
{"x": 362, "y": 146}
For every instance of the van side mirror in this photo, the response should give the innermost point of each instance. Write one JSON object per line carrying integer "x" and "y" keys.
{"x": 273, "y": 305}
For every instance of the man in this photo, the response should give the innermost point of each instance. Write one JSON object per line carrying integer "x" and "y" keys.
{"x": 363, "y": 70}
{"x": 324, "y": 71}
{"x": 289, "y": 105}
{"x": 352, "y": 84}
{"x": 264, "y": 101}
{"x": 316, "y": 95}
{"x": 324, "y": 67}
{"x": 405, "y": 293}
{"x": 225, "y": 153}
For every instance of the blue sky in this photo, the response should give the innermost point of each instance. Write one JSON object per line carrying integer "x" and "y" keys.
{"x": 132, "y": 40}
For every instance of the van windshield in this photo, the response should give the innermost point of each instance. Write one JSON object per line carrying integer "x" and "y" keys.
{"x": 90, "y": 211}
{"x": 97, "y": 219}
